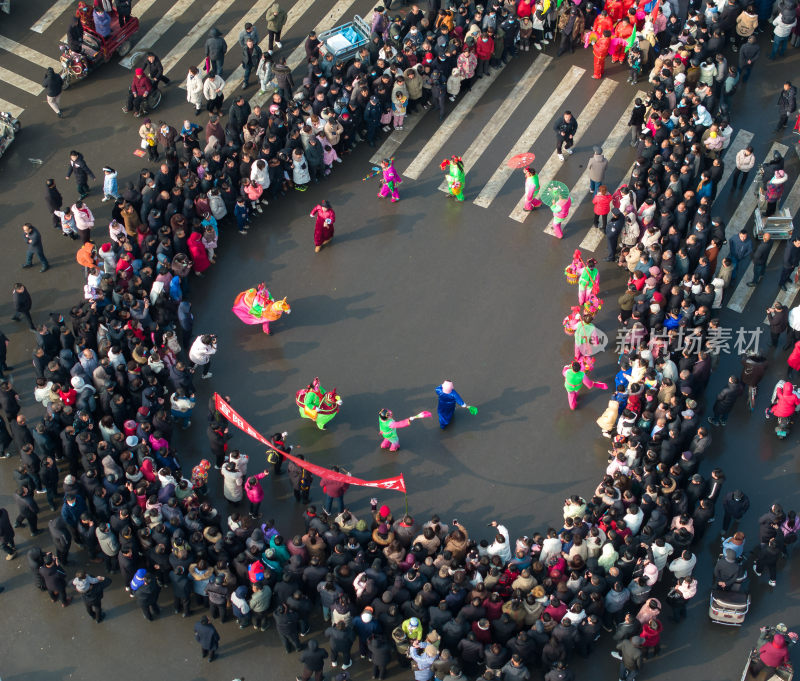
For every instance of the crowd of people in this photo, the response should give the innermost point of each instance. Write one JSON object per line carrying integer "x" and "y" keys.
{"x": 115, "y": 377}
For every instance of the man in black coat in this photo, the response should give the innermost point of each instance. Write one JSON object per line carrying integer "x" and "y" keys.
{"x": 28, "y": 509}
{"x": 34, "y": 240}
{"x": 565, "y": 129}
{"x": 735, "y": 504}
{"x": 53, "y": 85}
{"x": 287, "y": 624}
{"x": 147, "y": 595}
{"x": 62, "y": 539}
{"x": 791, "y": 259}
{"x": 725, "y": 401}
{"x": 313, "y": 659}
{"x": 154, "y": 70}
{"x": 759, "y": 259}
{"x": 787, "y": 104}
{"x": 83, "y": 172}
{"x": 7, "y": 535}
{"x": 54, "y": 580}
{"x": 208, "y": 638}
{"x": 54, "y": 201}
{"x": 181, "y": 590}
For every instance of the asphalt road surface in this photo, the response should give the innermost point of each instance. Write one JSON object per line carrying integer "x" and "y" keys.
{"x": 408, "y": 294}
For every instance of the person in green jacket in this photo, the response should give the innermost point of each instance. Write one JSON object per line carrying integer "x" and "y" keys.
{"x": 574, "y": 379}
{"x": 276, "y": 18}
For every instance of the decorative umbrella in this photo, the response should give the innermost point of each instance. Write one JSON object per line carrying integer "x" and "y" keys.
{"x": 521, "y": 160}
{"x": 554, "y": 191}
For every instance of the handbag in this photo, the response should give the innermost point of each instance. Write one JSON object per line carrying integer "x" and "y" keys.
{"x": 143, "y": 144}
{"x": 207, "y": 65}
{"x": 386, "y": 118}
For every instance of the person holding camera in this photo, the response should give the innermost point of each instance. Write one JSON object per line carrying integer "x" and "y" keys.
{"x": 201, "y": 352}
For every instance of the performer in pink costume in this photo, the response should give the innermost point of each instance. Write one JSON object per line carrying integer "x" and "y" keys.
{"x": 574, "y": 379}
{"x": 390, "y": 181}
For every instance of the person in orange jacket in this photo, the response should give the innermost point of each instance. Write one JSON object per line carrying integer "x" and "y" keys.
{"x": 623, "y": 31}
{"x": 86, "y": 256}
{"x": 600, "y": 50}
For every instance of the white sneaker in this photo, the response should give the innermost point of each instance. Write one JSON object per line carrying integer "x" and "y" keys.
{"x": 278, "y": 44}
{"x": 208, "y": 375}
{"x": 333, "y": 664}
{"x": 538, "y": 46}
{"x": 259, "y": 208}
{"x": 561, "y": 157}
{"x": 347, "y": 666}
{"x": 616, "y": 655}
{"x": 569, "y": 151}
{"x": 771, "y": 582}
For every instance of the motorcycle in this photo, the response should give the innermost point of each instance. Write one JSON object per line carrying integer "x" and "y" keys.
{"x": 9, "y": 128}
{"x": 784, "y": 423}
{"x": 74, "y": 65}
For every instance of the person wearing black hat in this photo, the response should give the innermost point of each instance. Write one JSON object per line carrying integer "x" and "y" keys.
{"x": 313, "y": 659}
{"x": 613, "y": 230}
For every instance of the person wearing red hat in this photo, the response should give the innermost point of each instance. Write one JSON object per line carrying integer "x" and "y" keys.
{"x": 137, "y": 94}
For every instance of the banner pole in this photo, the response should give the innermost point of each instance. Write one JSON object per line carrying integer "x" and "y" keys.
{"x": 406, "y": 498}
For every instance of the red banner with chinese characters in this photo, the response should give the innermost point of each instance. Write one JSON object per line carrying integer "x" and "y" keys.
{"x": 397, "y": 483}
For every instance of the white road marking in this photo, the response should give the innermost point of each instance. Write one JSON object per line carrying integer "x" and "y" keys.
{"x": 450, "y": 124}
{"x": 529, "y": 136}
{"x": 160, "y": 28}
{"x": 20, "y": 82}
{"x": 553, "y": 165}
{"x": 13, "y": 109}
{"x": 28, "y": 54}
{"x": 51, "y": 15}
{"x": 485, "y": 137}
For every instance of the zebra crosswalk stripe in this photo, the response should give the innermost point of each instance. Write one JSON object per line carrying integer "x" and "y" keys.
{"x": 28, "y": 54}
{"x": 55, "y": 11}
{"x": 397, "y": 137}
{"x": 197, "y": 31}
{"x": 159, "y": 29}
{"x": 503, "y": 113}
{"x": 535, "y": 128}
{"x": 450, "y": 125}
{"x": 613, "y": 142}
{"x": 553, "y": 165}
{"x": 231, "y": 38}
{"x": 20, "y": 82}
{"x": 13, "y": 109}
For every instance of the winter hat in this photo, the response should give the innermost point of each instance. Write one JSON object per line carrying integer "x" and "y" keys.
{"x": 650, "y": 281}
{"x": 483, "y": 624}
{"x": 77, "y": 382}
{"x": 654, "y": 271}
{"x": 105, "y": 248}
{"x": 139, "y": 72}
{"x": 431, "y": 651}
{"x": 597, "y": 149}
{"x": 69, "y": 480}
{"x": 366, "y": 616}
{"x": 447, "y": 387}
{"x": 413, "y": 622}
{"x": 384, "y": 511}
{"x": 131, "y": 441}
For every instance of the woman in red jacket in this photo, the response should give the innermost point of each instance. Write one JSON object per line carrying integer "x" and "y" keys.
{"x": 199, "y": 254}
{"x": 793, "y": 361}
{"x": 651, "y": 633}
{"x": 483, "y": 50}
{"x": 786, "y": 403}
{"x": 602, "y": 206}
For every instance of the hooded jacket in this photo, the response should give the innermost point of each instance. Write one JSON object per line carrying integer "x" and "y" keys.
{"x": 216, "y": 47}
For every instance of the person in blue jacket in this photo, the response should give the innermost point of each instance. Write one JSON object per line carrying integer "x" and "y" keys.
{"x": 448, "y": 399}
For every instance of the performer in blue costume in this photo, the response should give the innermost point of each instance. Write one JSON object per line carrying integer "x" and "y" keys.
{"x": 448, "y": 399}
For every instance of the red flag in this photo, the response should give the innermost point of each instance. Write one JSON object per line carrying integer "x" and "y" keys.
{"x": 397, "y": 483}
